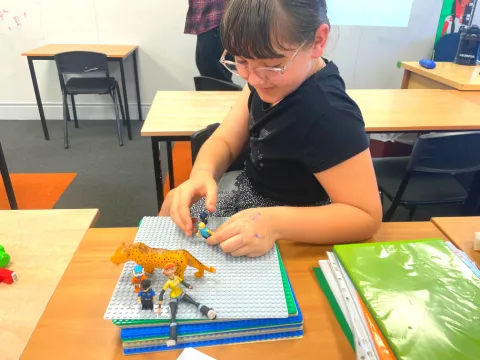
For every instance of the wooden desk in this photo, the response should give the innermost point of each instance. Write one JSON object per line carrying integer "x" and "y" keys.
{"x": 72, "y": 326}
{"x": 115, "y": 53}
{"x": 176, "y": 115}
{"x": 41, "y": 244}
{"x": 446, "y": 75}
{"x": 461, "y": 231}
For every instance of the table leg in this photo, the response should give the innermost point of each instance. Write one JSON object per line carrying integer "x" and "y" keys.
{"x": 473, "y": 201}
{"x": 37, "y": 97}
{"x": 135, "y": 69}
{"x": 125, "y": 99}
{"x": 406, "y": 79}
{"x": 157, "y": 169}
{"x": 170, "y": 164}
{"x": 7, "y": 182}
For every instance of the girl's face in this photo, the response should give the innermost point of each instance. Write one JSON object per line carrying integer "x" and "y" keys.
{"x": 301, "y": 62}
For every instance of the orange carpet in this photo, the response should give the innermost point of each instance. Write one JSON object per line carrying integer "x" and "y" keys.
{"x": 36, "y": 191}
{"x": 182, "y": 165}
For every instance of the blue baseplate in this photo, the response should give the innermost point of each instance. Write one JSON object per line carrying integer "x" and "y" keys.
{"x": 235, "y": 340}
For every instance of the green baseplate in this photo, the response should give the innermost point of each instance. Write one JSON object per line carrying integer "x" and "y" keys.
{"x": 292, "y": 309}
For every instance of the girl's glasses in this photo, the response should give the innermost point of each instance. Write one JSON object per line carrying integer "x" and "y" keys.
{"x": 271, "y": 74}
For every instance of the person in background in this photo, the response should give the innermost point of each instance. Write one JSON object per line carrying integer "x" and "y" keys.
{"x": 203, "y": 20}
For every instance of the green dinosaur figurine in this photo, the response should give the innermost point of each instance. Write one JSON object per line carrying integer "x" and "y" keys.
{"x": 4, "y": 257}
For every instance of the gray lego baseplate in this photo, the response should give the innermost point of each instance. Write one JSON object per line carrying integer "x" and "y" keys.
{"x": 241, "y": 288}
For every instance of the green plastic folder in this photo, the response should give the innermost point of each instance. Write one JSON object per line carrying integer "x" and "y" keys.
{"x": 425, "y": 300}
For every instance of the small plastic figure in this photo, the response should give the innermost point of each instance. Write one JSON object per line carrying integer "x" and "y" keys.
{"x": 204, "y": 217}
{"x": 138, "y": 275}
{"x": 4, "y": 257}
{"x": 151, "y": 258}
{"x": 146, "y": 295}
{"x": 204, "y": 230}
{"x": 177, "y": 295}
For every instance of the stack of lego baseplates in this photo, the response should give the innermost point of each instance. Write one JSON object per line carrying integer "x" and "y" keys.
{"x": 253, "y": 298}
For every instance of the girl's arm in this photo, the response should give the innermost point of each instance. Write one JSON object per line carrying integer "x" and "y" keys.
{"x": 354, "y": 215}
{"x": 226, "y": 143}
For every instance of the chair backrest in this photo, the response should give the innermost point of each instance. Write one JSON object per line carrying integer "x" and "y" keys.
{"x": 204, "y": 83}
{"x": 446, "y": 48}
{"x": 452, "y": 153}
{"x": 199, "y": 138}
{"x": 81, "y": 64}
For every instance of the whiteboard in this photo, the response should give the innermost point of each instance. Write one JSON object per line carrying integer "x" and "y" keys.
{"x": 366, "y": 55}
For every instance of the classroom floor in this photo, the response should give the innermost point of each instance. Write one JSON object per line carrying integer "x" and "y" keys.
{"x": 117, "y": 180}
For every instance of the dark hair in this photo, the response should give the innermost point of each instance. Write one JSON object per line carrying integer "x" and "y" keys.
{"x": 146, "y": 283}
{"x": 258, "y": 28}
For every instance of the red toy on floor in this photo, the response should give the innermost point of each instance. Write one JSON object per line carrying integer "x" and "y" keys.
{"x": 7, "y": 276}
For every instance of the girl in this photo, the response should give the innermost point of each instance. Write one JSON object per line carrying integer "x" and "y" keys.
{"x": 310, "y": 176}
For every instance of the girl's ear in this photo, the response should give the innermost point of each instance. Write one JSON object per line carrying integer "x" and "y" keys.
{"x": 321, "y": 37}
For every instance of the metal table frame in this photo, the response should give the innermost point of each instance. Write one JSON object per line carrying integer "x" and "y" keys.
{"x": 120, "y": 60}
{"x": 6, "y": 181}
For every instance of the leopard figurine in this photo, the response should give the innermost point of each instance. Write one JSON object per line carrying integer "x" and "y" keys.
{"x": 151, "y": 258}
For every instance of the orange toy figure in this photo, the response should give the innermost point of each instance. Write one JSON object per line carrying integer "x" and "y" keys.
{"x": 151, "y": 258}
{"x": 138, "y": 275}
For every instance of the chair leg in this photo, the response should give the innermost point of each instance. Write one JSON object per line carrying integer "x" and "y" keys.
{"x": 398, "y": 197}
{"x": 66, "y": 118}
{"x": 74, "y": 110}
{"x": 117, "y": 118}
{"x": 117, "y": 89}
{"x": 411, "y": 213}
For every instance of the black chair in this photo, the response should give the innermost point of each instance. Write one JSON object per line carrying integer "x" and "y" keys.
{"x": 6, "y": 181}
{"x": 85, "y": 72}
{"x": 446, "y": 48}
{"x": 204, "y": 83}
{"x": 199, "y": 138}
{"x": 427, "y": 176}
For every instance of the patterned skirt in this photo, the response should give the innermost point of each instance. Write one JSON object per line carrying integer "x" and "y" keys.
{"x": 242, "y": 197}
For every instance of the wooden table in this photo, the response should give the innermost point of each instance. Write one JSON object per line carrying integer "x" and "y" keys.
{"x": 72, "y": 326}
{"x": 461, "y": 231}
{"x": 446, "y": 75}
{"x": 115, "y": 53}
{"x": 41, "y": 244}
{"x": 176, "y": 115}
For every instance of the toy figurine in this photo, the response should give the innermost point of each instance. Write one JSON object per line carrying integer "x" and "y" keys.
{"x": 204, "y": 217}
{"x": 177, "y": 295}
{"x": 138, "y": 275}
{"x": 146, "y": 295}
{"x": 4, "y": 257}
{"x": 151, "y": 258}
{"x": 204, "y": 231}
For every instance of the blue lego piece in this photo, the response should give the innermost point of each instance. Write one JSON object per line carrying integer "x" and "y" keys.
{"x": 138, "y": 269}
{"x": 204, "y": 217}
{"x": 235, "y": 340}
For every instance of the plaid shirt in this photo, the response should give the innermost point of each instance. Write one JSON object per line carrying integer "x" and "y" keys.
{"x": 204, "y": 15}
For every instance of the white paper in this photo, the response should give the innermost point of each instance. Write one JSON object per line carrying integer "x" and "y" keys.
{"x": 193, "y": 354}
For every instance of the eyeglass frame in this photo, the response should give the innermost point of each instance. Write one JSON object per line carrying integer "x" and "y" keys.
{"x": 276, "y": 69}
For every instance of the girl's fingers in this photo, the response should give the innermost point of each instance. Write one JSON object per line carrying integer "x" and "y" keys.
{"x": 211, "y": 195}
{"x": 243, "y": 251}
{"x": 232, "y": 244}
{"x": 223, "y": 233}
{"x": 184, "y": 200}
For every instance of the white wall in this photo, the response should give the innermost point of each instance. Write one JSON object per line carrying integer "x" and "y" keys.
{"x": 367, "y": 56}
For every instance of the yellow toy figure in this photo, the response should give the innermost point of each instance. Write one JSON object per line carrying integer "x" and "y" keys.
{"x": 203, "y": 230}
{"x": 151, "y": 258}
{"x": 177, "y": 295}
{"x": 138, "y": 275}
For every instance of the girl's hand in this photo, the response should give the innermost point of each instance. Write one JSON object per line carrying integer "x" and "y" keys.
{"x": 247, "y": 233}
{"x": 202, "y": 184}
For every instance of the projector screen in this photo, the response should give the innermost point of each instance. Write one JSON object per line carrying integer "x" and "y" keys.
{"x": 393, "y": 13}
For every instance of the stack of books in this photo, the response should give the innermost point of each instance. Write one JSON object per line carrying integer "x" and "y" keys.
{"x": 253, "y": 298}
{"x": 404, "y": 300}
